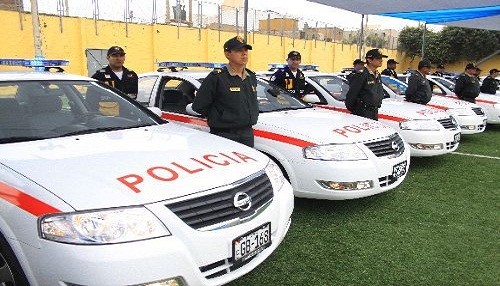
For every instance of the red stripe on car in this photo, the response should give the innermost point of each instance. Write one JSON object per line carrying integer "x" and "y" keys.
{"x": 25, "y": 201}
{"x": 381, "y": 116}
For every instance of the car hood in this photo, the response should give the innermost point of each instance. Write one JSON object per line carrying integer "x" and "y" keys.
{"x": 448, "y": 102}
{"x": 492, "y": 98}
{"x": 131, "y": 167}
{"x": 407, "y": 110}
{"x": 322, "y": 126}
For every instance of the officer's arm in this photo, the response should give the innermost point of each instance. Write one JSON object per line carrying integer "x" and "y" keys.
{"x": 355, "y": 86}
{"x": 459, "y": 85}
{"x": 277, "y": 79}
{"x": 205, "y": 95}
{"x": 97, "y": 76}
{"x": 411, "y": 90}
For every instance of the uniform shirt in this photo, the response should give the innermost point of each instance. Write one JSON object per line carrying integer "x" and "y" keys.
{"x": 227, "y": 100}
{"x": 490, "y": 85}
{"x": 296, "y": 85}
{"x": 390, "y": 72}
{"x": 128, "y": 84}
{"x": 365, "y": 94}
{"x": 467, "y": 87}
{"x": 419, "y": 89}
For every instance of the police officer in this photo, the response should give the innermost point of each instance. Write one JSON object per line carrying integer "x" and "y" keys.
{"x": 439, "y": 70}
{"x": 419, "y": 89}
{"x": 358, "y": 66}
{"x": 467, "y": 84}
{"x": 116, "y": 75}
{"x": 291, "y": 77}
{"x": 391, "y": 69}
{"x": 365, "y": 89}
{"x": 228, "y": 96}
{"x": 490, "y": 83}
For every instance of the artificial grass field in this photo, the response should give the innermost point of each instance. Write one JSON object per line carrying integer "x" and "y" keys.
{"x": 440, "y": 227}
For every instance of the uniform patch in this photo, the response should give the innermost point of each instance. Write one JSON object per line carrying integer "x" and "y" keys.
{"x": 234, "y": 89}
{"x": 107, "y": 76}
{"x": 273, "y": 78}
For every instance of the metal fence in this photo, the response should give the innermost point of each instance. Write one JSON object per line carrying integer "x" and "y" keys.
{"x": 205, "y": 15}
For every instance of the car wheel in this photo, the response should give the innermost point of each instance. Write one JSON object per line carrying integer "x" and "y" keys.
{"x": 11, "y": 273}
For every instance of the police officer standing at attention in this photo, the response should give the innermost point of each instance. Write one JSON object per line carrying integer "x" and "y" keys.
{"x": 467, "y": 84}
{"x": 439, "y": 71}
{"x": 391, "y": 68}
{"x": 291, "y": 77}
{"x": 228, "y": 96}
{"x": 490, "y": 83}
{"x": 116, "y": 75}
{"x": 419, "y": 89}
{"x": 358, "y": 65}
{"x": 365, "y": 89}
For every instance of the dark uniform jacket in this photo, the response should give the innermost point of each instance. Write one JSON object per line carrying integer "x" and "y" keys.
{"x": 467, "y": 87}
{"x": 490, "y": 85}
{"x": 349, "y": 76}
{"x": 284, "y": 78}
{"x": 390, "y": 72}
{"x": 365, "y": 94}
{"x": 227, "y": 101}
{"x": 419, "y": 89}
{"x": 128, "y": 83}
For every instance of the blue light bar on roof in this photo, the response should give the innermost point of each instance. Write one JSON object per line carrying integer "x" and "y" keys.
{"x": 302, "y": 67}
{"x": 191, "y": 65}
{"x": 33, "y": 63}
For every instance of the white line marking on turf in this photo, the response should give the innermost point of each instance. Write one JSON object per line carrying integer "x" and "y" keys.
{"x": 475, "y": 155}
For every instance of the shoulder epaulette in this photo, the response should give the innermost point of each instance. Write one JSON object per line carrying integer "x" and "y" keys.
{"x": 217, "y": 71}
{"x": 250, "y": 71}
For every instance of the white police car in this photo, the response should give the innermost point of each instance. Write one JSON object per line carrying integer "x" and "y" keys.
{"x": 97, "y": 190}
{"x": 325, "y": 154}
{"x": 428, "y": 131}
{"x": 487, "y": 107}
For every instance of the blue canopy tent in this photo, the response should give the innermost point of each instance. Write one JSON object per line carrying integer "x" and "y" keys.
{"x": 478, "y": 14}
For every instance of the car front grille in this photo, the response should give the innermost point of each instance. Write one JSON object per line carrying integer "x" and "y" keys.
{"x": 448, "y": 123}
{"x": 218, "y": 210}
{"x": 392, "y": 146}
{"x": 478, "y": 110}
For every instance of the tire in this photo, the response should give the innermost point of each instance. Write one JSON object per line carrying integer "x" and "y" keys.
{"x": 11, "y": 273}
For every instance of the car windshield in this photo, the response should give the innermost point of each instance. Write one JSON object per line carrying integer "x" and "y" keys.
{"x": 34, "y": 110}
{"x": 274, "y": 98}
{"x": 397, "y": 86}
{"x": 336, "y": 86}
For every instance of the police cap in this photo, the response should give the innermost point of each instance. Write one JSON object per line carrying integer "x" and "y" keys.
{"x": 375, "y": 54}
{"x": 116, "y": 50}
{"x": 470, "y": 66}
{"x": 294, "y": 55}
{"x": 424, "y": 64}
{"x": 392, "y": 61}
{"x": 236, "y": 43}
{"x": 358, "y": 61}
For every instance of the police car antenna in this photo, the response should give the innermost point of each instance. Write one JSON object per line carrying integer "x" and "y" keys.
{"x": 37, "y": 64}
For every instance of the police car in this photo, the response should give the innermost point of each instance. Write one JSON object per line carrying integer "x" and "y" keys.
{"x": 104, "y": 192}
{"x": 325, "y": 154}
{"x": 487, "y": 105}
{"x": 428, "y": 131}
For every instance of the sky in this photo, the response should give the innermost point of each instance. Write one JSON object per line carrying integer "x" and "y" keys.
{"x": 310, "y": 12}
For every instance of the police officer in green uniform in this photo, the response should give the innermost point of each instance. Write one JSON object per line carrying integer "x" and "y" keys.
{"x": 358, "y": 66}
{"x": 490, "y": 83}
{"x": 228, "y": 96}
{"x": 419, "y": 89}
{"x": 116, "y": 75}
{"x": 391, "y": 69}
{"x": 291, "y": 77}
{"x": 365, "y": 89}
{"x": 467, "y": 84}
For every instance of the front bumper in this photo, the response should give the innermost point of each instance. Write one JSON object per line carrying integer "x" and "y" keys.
{"x": 431, "y": 143}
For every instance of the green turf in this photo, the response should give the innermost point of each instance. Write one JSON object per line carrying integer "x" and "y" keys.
{"x": 440, "y": 227}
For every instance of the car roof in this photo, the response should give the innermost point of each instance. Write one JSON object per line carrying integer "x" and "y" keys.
{"x": 34, "y": 75}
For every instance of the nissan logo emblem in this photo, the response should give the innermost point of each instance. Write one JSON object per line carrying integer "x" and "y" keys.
{"x": 242, "y": 201}
{"x": 395, "y": 146}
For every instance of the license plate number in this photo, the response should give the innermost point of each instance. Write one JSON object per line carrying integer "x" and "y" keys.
{"x": 251, "y": 243}
{"x": 457, "y": 137}
{"x": 399, "y": 170}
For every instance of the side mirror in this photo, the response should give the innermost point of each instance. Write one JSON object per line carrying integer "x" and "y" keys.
{"x": 311, "y": 98}
{"x": 190, "y": 111}
{"x": 156, "y": 111}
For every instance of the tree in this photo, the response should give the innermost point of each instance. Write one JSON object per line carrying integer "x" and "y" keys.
{"x": 450, "y": 44}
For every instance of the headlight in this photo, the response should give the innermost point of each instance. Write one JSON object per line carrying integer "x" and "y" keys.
{"x": 102, "y": 227}
{"x": 460, "y": 111}
{"x": 335, "y": 152}
{"x": 420, "y": 125}
{"x": 274, "y": 173}
{"x": 496, "y": 106}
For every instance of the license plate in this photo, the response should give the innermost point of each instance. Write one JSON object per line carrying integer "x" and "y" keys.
{"x": 457, "y": 137}
{"x": 251, "y": 243}
{"x": 399, "y": 169}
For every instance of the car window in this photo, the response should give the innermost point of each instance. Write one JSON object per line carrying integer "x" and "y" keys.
{"x": 175, "y": 95}
{"x": 48, "y": 109}
{"x": 336, "y": 86}
{"x": 397, "y": 86}
{"x": 145, "y": 87}
{"x": 448, "y": 84}
{"x": 274, "y": 98}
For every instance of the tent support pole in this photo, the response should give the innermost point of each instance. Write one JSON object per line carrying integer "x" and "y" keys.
{"x": 423, "y": 41}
